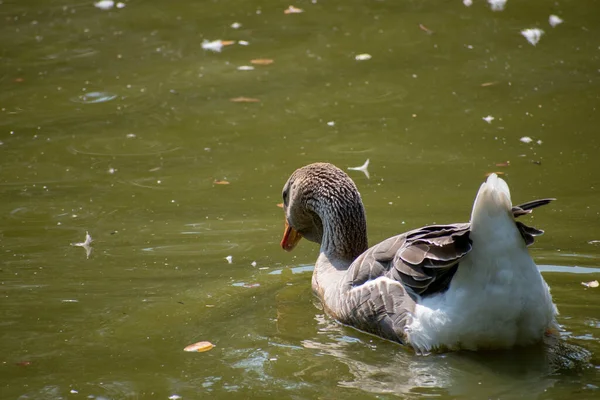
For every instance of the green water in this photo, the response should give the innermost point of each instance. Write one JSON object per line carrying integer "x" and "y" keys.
{"x": 118, "y": 123}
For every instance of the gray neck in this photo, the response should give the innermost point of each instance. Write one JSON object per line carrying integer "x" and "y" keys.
{"x": 344, "y": 231}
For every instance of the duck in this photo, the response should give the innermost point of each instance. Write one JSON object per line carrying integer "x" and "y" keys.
{"x": 461, "y": 286}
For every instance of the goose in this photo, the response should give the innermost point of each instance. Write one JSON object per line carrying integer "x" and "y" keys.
{"x": 462, "y": 286}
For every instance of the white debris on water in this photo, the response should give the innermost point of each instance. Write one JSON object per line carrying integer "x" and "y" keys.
{"x": 331, "y": 123}
{"x": 105, "y": 4}
{"x": 85, "y": 244}
{"x": 532, "y": 35}
{"x": 363, "y": 168}
{"x": 253, "y": 263}
{"x": 108, "y": 4}
{"x": 488, "y": 119}
{"x": 215, "y": 45}
{"x": 245, "y": 68}
{"x": 555, "y": 20}
{"x": 468, "y": 3}
{"x": 362, "y": 57}
{"x": 229, "y": 259}
{"x": 526, "y": 139}
{"x": 236, "y": 25}
{"x": 497, "y": 5}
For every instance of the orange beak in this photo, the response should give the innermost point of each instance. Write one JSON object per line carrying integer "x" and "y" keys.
{"x": 291, "y": 237}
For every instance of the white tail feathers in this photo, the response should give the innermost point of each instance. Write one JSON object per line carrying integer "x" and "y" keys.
{"x": 492, "y": 201}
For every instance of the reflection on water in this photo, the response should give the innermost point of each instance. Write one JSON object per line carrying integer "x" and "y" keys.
{"x": 94, "y": 97}
{"x": 393, "y": 369}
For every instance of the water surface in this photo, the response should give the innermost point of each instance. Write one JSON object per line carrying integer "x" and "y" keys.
{"x": 117, "y": 123}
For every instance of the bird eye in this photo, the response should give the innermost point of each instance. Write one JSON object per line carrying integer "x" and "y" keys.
{"x": 285, "y": 195}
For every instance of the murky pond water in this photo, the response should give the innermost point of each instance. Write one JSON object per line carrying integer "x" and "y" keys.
{"x": 118, "y": 123}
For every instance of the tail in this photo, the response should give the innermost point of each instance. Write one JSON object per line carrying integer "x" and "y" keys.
{"x": 492, "y": 201}
{"x": 493, "y": 215}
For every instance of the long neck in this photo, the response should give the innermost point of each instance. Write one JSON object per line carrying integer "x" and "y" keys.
{"x": 344, "y": 230}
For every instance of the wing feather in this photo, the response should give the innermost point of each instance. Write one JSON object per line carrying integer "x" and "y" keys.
{"x": 384, "y": 283}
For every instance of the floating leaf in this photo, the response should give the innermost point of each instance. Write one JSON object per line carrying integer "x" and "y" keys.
{"x": 244, "y": 100}
{"x": 503, "y": 164}
{"x": 222, "y": 182}
{"x": 486, "y": 84}
{"x": 495, "y": 172}
{"x": 591, "y": 284}
{"x": 262, "y": 61}
{"x": 293, "y": 10}
{"x": 425, "y": 29}
{"x": 280, "y": 205}
{"x": 199, "y": 347}
{"x": 23, "y": 363}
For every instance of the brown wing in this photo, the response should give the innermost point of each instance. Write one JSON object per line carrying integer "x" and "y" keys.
{"x": 383, "y": 284}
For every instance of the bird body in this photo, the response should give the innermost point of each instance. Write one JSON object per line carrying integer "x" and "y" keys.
{"x": 436, "y": 288}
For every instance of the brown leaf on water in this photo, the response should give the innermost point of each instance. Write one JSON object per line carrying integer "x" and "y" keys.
{"x": 486, "y": 84}
{"x": 503, "y": 164}
{"x": 199, "y": 347}
{"x": 23, "y": 363}
{"x": 425, "y": 29}
{"x": 591, "y": 284}
{"x": 243, "y": 99}
{"x": 280, "y": 205}
{"x": 262, "y": 61}
{"x": 293, "y": 10}
{"x": 495, "y": 172}
{"x": 227, "y": 42}
{"x": 19, "y": 80}
{"x": 221, "y": 182}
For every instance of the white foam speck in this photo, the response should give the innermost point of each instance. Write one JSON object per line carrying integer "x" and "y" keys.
{"x": 526, "y": 139}
{"x": 497, "y": 5}
{"x": 532, "y": 35}
{"x": 554, "y": 20}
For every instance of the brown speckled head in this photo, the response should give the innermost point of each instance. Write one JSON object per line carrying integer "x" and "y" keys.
{"x": 322, "y": 204}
